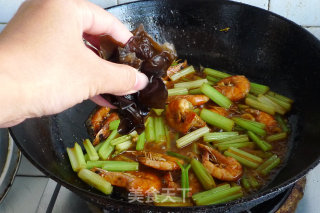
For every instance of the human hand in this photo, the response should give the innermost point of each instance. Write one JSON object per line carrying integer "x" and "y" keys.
{"x": 45, "y": 66}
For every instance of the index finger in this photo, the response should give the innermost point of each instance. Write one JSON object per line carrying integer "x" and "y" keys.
{"x": 97, "y": 21}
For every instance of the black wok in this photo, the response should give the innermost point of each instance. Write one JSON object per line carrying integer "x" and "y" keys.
{"x": 265, "y": 47}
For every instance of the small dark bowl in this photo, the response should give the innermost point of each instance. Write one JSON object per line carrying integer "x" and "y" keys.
{"x": 263, "y": 46}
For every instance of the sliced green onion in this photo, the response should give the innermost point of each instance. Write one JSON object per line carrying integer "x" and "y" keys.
{"x": 258, "y": 88}
{"x": 277, "y": 137}
{"x": 177, "y": 155}
{"x": 280, "y": 97}
{"x": 184, "y": 72}
{"x": 215, "y": 73}
{"x": 76, "y": 157}
{"x": 159, "y": 130}
{"x": 195, "y": 91}
{"x": 177, "y": 91}
{"x": 191, "y": 84}
{"x": 243, "y": 157}
{"x": 261, "y": 143}
{"x": 217, "y": 120}
{"x": 121, "y": 139}
{"x": 215, "y": 136}
{"x": 215, "y": 96}
{"x": 248, "y": 125}
{"x": 114, "y": 124}
{"x": 192, "y": 136}
{"x": 260, "y": 106}
{"x": 184, "y": 180}
{"x": 277, "y": 108}
{"x": 202, "y": 174}
{"x": 150, "y": 136}
{"x": 95, "y": 181}
{"x": 282, "y": 123}
{"x": 92, "y": 153}
{"x": 141, "y": 141}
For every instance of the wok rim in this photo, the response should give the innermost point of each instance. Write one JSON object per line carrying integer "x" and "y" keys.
{"x": 257, "y": 196}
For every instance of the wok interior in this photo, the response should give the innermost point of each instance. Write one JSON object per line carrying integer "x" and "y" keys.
{"x": 260, "y": 45}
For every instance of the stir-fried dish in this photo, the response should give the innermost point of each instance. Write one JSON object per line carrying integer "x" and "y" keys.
{"x": 218, "y": 138}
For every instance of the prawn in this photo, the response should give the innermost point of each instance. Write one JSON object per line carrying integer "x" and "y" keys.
{"x": 170, "y": 183}
{"x": 135, "y": 182}
{"x": 219, "y": 166}
{"x": 104, "y": 132}
{"x": 195, "y": 100}
{"x": 220, "y": 110}
{"x": 263, "y": 117}
{"x": 234, "y": 87}
{"x": 97, "y": 119}
{"x": 181, "y": 117}
{"x": 176, "y": 68}
{"x": 157, "y": 160}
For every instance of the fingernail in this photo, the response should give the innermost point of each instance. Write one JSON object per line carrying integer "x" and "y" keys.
{"x": 141, "y": 81}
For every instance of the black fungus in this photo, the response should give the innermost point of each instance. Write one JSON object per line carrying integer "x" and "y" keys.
{"x": 153, "y": 59}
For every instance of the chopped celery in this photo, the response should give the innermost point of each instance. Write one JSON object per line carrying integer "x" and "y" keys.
{"x": 158, "y": 111}
{"x": 260, "y": 106}
{"x": 261, "y": 143}
{"x": 248, "y": 125}
{"x": 114, "y": 166}
{"x": 114, "y": 124}
{"x": 221, "y": 196}
{"x": 283, "y": 104}
{"x": 215, "y": 136}
{"x": 119, "y": 140}
{"x": 215, "y": 73}
{"x": 177, "y": 91}
{"x": 213, "y": 79}
{"x": 280, "y": 97}
{"x": 277, "y": 137}
{"x": 141, "y": 141}
{"x": 76, "y": 157}
{"x": 160, "y": 134}
{"x": 277, "y": 108}
{"x": 243, "y": 157}
{"x": 223, "y": 147}
{"x": 202, "y": 174}
{"x": 233, "y": 139}
{"x": 215, "y": 96}
{"x": 92, "y": 153}
{"x": 191, "y": 84}
{"x": 282, "y": 123}
{"x": 184, "y": 72}
{"x": 195, "y": 91}
{"x": 204, "y": 194}
{"x": 95, "y": 181}
{"x": 150, "y": 136}
{"x": 192, "y": 136}
{"x": 258, "y": 88}
{"x": 269, "y": 164}
{"x": 217, "y": 120}
{"x": 123, "y": 146}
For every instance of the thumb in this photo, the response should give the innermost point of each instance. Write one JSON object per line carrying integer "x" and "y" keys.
{"x": 117, "y": 79}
